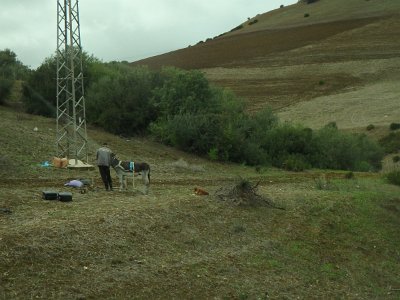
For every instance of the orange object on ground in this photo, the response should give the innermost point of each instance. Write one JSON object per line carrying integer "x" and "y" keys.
{"x": 199, "y": 191}
{"x": 60, "y": 162}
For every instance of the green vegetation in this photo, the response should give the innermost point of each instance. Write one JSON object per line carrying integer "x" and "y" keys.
{"x": 394, "y": 126}
{"x": 391, "y": 142}
{"x": 181, "y": 109}
{"x": 11, "y": 69}
{"x": 393, "y": 177}
{"x": 370, "y": 127}
{"x": 5, "y": 88}
{"x": 253, "y": 22}
{"x": 40, "y": 88}
{"x": 118, "y": 97}
{"x": 236, "y": 28}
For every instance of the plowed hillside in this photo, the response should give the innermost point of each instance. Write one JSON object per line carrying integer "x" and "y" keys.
{"x": 339, "y": 62}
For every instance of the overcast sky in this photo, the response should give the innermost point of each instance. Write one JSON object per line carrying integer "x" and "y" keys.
{"x": 123, "y": 29}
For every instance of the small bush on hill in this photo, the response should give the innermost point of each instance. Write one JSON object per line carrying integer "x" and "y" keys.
{"x": 306, "y": 15}
{"x": 396, "y": 159}
{"x": 349, "y": 175}
{"x": 237, "y": 28}
{"x": 5, "y": 88}
{"x": 308, "y": 1}
{"x": 253, "y": 22}
{"x": 370, "y": 127}
{"x": 394, "y": 126}
{"x": 393, "y": 177}
{"x": 391, "y": 142}
{"x": 296, "y": 163}
{"x": 338, "y": 150}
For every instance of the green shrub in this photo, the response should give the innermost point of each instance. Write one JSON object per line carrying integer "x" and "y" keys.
{"x": 295, "y": 163}
{"x": 370, "y": 127}
{"x": 237, "y": 28}
{"x": 349, "y": 175}
{"x": 286, "y": 140}
{"x": 306, "y": 15}
{"x": 181, "y": 92}
{"x": 5, "y": 88}
{"x": 118, "y": 100}
{"x": 325, "y": 184}
{"x": 394, "y": 126}
{"x": 35, "y": 104}
{"x": 213, "y": 153}
{"x": 393, "y": 177}
{"x": 391, "y": 142}
{"x": 396, "y": 158}
{"x": 338, "y": 150}
{"x": 44, "y": 80}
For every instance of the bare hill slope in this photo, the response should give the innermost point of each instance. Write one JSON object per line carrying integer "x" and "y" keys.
{"x": 341, "y": 51}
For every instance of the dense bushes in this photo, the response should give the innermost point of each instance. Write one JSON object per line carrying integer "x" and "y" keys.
{"x": 5, "y": 88}
{"x": 11, "y": 69}
{"x": 338, "y": 150}
{"x": 34, "y": 103}
{"x": 393, "y": 177}
{"x": 200, "y": 119}
{"x": 118, "y": 100}
{"x": 394, "y": 126}
{"x": 180, "y": 108}
{"x": 44, "y": 79}
{"x": 391, "y": 142}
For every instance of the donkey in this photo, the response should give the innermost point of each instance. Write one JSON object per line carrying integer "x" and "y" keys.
{"x": 128, "y": 169}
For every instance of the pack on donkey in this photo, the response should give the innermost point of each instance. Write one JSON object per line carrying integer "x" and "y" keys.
{"x": 129, "y": 169}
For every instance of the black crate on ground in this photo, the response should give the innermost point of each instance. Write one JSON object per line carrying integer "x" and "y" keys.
{"x": 65, "y": 196}
{"x": 49, "y": 195}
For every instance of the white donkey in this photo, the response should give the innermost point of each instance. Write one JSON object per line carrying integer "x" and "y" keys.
{"x": 128, "y": 169}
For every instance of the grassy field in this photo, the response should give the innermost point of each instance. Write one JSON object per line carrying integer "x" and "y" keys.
{"x": 335, "y": 238}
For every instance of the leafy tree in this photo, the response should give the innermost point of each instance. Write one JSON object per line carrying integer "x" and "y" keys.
{"x": 35, "y": 104}
{"x": 11, "y": 69}
{"x": 44, "y": 79}
{"x": 339, "y": 150}
{"x": 118, "y": 100}
{"x": 5, "y": 88}
{"x": 182, "y": 92}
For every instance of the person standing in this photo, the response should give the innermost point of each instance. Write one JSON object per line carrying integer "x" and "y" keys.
{"x": 103, "y": 156}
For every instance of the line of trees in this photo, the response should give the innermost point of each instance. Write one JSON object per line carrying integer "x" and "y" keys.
{"x": 181, "y": 109}
{"x": 11, "y": 69}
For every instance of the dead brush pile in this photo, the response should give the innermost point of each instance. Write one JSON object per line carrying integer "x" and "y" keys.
{"x": 244, "y": 193}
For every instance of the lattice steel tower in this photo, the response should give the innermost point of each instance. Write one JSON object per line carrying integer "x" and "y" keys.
{"x": 71, "y": 116}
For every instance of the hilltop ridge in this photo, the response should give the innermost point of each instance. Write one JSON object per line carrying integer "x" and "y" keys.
{"x": 312, "y": 63}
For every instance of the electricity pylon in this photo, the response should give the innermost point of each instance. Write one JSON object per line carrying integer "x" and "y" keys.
{"x": 71, "y": 116}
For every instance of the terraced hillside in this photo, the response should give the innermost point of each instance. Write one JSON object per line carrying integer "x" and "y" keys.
{"x": 341, "y": 63}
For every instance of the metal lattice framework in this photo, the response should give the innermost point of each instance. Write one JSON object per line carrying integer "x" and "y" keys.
{"x": 71, "y": 116}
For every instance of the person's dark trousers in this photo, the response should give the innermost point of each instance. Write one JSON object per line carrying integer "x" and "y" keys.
{"x": 106, "y": 177}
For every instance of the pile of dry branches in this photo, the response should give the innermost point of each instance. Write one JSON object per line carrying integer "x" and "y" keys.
{"x": 244, "y": 193}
